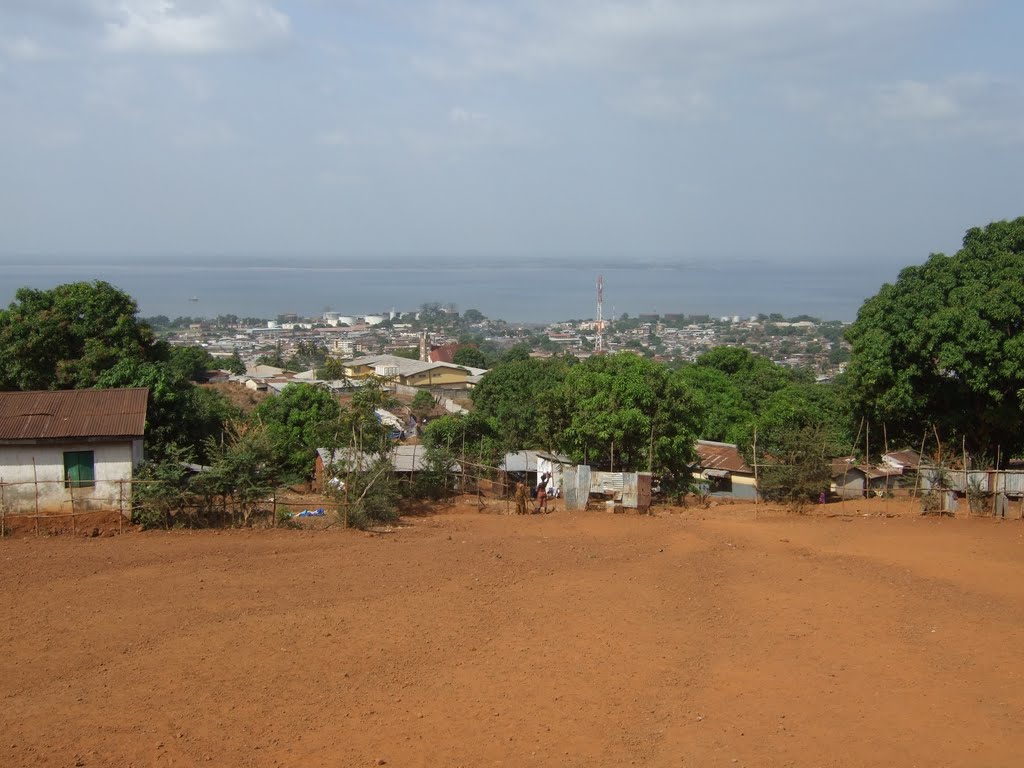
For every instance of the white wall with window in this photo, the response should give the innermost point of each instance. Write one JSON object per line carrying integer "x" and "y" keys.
{"x": 54, "y": 477}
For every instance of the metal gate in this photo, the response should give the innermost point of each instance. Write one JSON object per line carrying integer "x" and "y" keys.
{"x": 576, "y": 486}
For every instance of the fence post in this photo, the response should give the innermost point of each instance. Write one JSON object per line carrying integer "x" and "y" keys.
{"x": 3, "y": 512}
{"x": 35, "y": 485}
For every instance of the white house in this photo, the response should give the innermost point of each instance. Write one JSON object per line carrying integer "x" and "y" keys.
{"x": 70, "y": 451}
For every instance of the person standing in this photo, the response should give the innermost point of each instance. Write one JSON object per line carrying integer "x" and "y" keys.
{"x": 542, "y": 494}
{"x": 521, "y": 496}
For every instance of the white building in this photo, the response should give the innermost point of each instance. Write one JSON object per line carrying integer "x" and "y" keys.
{"x": 70, "y": 451}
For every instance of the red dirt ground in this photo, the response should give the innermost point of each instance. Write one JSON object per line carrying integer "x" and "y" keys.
{"x": 693, "y": 638}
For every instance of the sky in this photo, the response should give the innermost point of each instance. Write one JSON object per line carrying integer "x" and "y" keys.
{"x": 816, "y": 132}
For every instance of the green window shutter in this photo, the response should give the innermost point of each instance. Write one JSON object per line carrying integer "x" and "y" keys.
{"x": 79, "y": 469}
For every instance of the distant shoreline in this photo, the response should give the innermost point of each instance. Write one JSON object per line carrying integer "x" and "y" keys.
{"x": 519, "y": 291}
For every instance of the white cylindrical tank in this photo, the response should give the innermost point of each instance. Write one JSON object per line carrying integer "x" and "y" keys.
{"x": 374, "y": 319}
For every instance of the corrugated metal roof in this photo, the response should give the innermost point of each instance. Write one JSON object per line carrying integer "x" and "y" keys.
{"x": 909, "y": 458}
{"x": 73, "y": 413}
{"x": 712, "y": 455}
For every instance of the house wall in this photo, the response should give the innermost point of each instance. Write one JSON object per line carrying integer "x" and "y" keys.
{"x": 113, "y": 462}
{"x": 853, "y": 488}
{"x": 440, "y": 377}
{"x": 744, "y": 487}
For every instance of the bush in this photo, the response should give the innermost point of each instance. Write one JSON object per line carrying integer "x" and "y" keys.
{"x": 368, "y": 498}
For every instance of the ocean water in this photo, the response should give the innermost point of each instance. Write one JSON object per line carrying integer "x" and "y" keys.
{"x": 517, "y": 291}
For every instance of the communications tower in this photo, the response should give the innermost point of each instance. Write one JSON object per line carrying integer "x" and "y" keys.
{"x": 600, "y": 314}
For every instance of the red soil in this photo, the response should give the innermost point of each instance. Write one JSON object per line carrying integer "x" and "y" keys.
{"x": 695, "y": 637}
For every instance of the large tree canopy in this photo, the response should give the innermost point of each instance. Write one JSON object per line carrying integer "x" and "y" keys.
{"x": 628, "y": 412}
{"x": 66, "y": 337}
{"x": 298, "y": 421}
{"x": 943, "y": 345}
{"x": 519, "y": 400}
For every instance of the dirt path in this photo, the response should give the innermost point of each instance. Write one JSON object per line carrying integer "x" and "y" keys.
{"x": 479, "y": 640}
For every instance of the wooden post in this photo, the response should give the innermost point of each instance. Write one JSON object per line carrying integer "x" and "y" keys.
{"x": 650, "y": 453}
{"x": 920, "y": 458}
{"x": 3, "y": 511}
{"x": 757, "y": 490}
{"x": 867, "y": 460}
{"x": 963, "y": 447}
{"x": 998, "y": 458}
{"x": 35, "y": 487}
{"x": 120, "y": 506}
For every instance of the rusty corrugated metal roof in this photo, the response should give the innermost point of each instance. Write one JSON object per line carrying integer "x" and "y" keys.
{"x": 73, "y": 413}
{"x": 724, "y": 456}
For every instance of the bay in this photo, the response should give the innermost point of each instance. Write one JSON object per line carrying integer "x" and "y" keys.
{"x": 527, "y": 290}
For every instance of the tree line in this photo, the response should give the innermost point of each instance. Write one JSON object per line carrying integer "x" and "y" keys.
{"x": 939, "y": 352}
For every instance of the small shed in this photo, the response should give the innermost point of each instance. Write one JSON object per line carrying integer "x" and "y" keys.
{"x": 529, "y": 466}
{"x": 723, "y": 470}
{"x": 70, "y": 451}
{"x": 618, "y": 490}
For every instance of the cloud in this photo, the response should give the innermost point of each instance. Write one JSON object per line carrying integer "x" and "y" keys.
{"x": 659, "y": 98}
{"x": 193, "y": 26}
{"x": 974, "y": 106}
{"x": 334, "y": 139}
{"x": 27, "y": 49}
{"x": 204, "y": 134}
{"x": 483, "y": 37}
{"x": 915, "y": 101}
{"x": 464, "y": 116}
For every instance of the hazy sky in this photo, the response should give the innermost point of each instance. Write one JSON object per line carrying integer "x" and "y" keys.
{"x": 864, "y": 131}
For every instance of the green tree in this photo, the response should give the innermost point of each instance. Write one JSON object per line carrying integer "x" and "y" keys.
{"x": 367, "y": 495}
{"x": 179, "y": 414}
{"x": 521, "y": 401}
{"x": 757, "y": 377}
{"x": 357, "y": 427}
{"x": 516, "y": 353}
{"x": 627, "y": 412}
{"x": 307, "y": 354}
{"x": 298, "y": 421}
{"x": 66, "y": 337}
{"x": 422, "y": 404}
{"x": 725, "y": 413}
{"x": 470, "y": 357}
{"x": 274, "y": 359}
{"x": 798, "y": 464}
{"x": 191, "y": 362}
{"x": 162, "y": 491}
{"x": 331, "y": 370}
{"x": 244, "y": 470}
{"x": 471, "y": 434}
{"x": 235, "y": 364}
{"x": 943, "y": 346}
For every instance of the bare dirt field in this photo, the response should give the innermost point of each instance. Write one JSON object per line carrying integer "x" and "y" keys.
{"x": 691, "y": 638}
